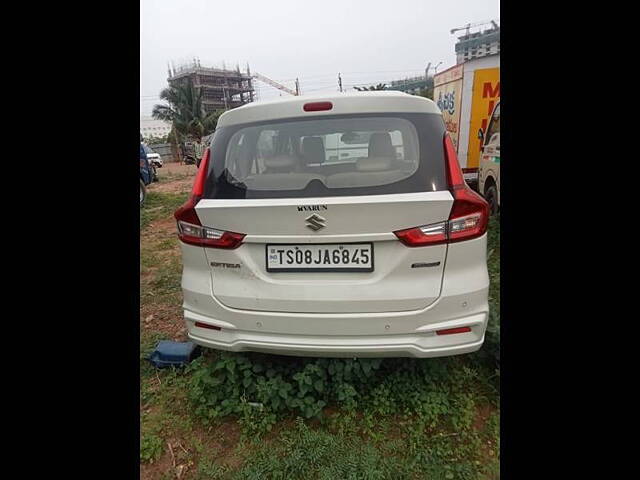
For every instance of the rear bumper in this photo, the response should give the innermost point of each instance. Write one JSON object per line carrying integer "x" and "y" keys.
{"x": 421, "y": 344}
{"x": 463, "y": 302}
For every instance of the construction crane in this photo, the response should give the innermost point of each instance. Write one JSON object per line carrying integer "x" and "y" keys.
{"x": 468, "y": 26}
{"x": 277, "y": 85}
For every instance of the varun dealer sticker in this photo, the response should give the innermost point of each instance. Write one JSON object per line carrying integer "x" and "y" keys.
{"x": 342, "y": 257}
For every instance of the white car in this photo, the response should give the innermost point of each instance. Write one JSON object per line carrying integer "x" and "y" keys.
{"x": 153, "y": 157}
{"x": 289, "y": 249}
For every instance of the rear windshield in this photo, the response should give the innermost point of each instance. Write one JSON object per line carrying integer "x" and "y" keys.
{"x": 341, "y": 155}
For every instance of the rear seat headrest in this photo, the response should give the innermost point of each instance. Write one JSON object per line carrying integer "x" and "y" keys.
{"x": 374, "y": 164}
{"x": 380, "y": 145}
{"x": 279, "y": 162}
{"x": 313, "y": 150}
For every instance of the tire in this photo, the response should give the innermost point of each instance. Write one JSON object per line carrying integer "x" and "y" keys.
{"x": 143, "y": 192}
{"x": 491, "y": 195}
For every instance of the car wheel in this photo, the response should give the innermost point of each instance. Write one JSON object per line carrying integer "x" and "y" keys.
{"x": 491, "y": 194}
{"x": 143, "y": 192}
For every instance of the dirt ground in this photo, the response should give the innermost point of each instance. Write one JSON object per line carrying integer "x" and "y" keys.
{"x": 175, "y": 178}
{"x": 174, "y": 168}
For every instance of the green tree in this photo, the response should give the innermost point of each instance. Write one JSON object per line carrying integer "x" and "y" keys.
{"x": 426, "y": 92}
{"x": 380, "y": 86}
{"x": 185, "y": 111}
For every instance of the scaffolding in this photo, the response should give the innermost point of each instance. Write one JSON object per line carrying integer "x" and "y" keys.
{"x": 222, "y": 88}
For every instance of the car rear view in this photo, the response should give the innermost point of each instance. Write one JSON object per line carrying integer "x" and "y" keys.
{"x": 335, "y": 226}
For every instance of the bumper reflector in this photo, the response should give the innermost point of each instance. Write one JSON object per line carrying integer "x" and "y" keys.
{"x": 206, "y": 325}
{"x": 450, "y": 331}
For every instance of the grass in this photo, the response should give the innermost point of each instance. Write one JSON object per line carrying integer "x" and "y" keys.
{"x": 493, "y": 252}
{"x": 166, "y": 176}
{"x": 159, "y": 205}
{"x": 254, "y": 416}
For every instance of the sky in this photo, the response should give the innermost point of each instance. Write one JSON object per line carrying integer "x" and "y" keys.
{"x": 366, "y": 41}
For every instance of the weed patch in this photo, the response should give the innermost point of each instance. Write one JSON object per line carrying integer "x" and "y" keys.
{"x": 260, "y": 389}
{"x": 150, "y": 448}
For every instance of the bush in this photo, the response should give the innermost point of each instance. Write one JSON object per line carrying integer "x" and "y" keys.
{"x": 260, "y": 389}
{"x": 150, "y": 448}
{"x": 238, "y": 383}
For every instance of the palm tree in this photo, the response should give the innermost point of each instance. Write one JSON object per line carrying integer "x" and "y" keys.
{"x": 380, "y": 86}
{"x": 185, "y": 111}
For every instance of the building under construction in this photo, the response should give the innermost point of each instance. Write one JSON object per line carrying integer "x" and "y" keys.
{"x": 477, "y": 44}
{"x": 222, "y": 88}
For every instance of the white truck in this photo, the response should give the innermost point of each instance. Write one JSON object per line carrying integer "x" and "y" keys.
{"x": 489, "y": 174}
{"x": 467, "y": 94}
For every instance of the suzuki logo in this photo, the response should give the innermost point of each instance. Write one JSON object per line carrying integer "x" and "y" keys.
{"x": 315, "y": 222}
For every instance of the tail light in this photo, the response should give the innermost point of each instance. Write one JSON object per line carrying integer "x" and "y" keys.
{"x": 190, "y": 230}
{"x": 317, "y": 106}
{"x": 434, "y": 234}
{"x": 469, "y": 215}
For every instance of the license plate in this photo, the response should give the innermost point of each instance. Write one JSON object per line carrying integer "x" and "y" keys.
{"x": 339, "y": 257}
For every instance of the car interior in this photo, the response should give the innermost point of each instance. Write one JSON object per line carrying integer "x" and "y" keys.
{"x": 293, "y": 160}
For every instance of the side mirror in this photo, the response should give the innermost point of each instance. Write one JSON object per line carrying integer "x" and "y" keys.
{"x": 480, "y": 134}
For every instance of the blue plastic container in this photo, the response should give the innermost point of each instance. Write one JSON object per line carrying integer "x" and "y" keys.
{"x": 173, "y": 354}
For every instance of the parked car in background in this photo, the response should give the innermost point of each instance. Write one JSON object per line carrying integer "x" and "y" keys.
{"x": 153, "y": 157}
{"x": 294, "y": 249}
{"x": 146, "y": 174}
{"x": 489, "y": 175}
